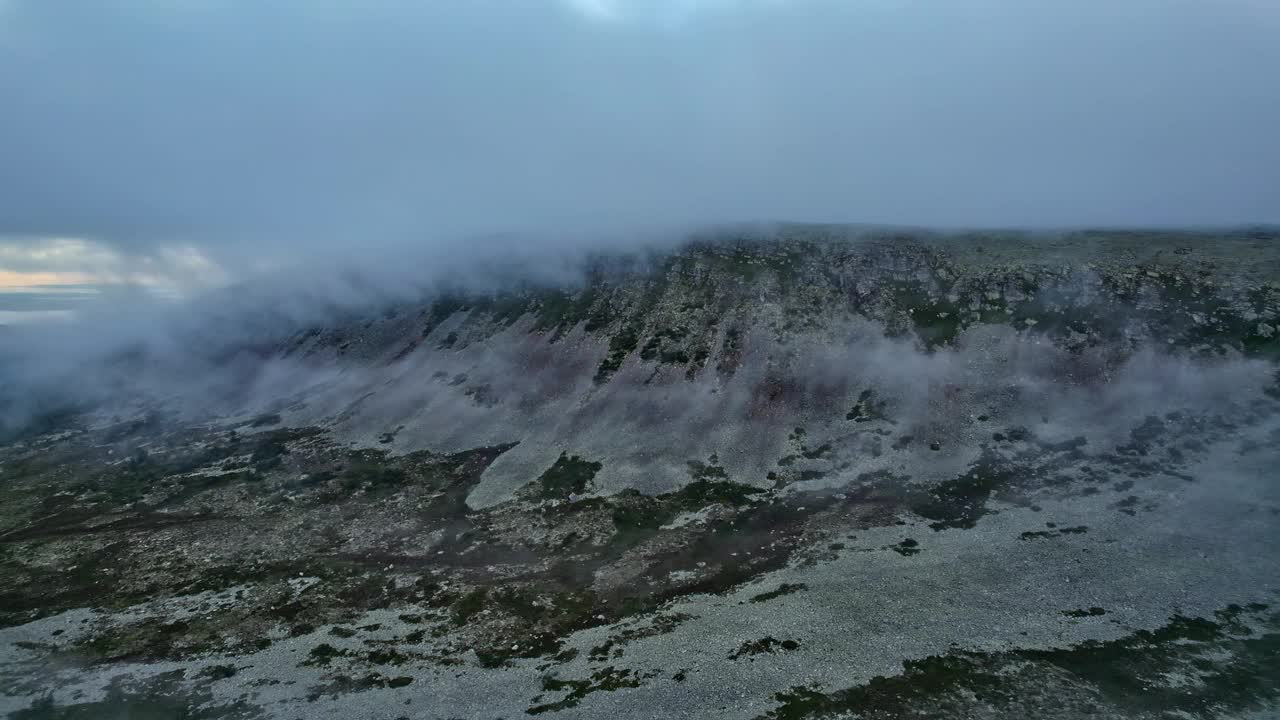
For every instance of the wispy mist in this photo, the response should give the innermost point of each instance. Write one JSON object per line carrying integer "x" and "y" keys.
{"x": 345, "y": 153}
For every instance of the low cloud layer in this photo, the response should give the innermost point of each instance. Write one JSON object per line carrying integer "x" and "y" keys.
{"x": 350, "y": 154}
{"x": 261, "y": 132}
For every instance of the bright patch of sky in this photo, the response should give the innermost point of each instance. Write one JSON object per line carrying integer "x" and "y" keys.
{"x": 49, "y": 278}
{"x": 662, "y": 11}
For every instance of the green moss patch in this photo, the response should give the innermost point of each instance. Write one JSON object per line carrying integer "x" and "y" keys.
{"x": 569, "y": 475}
{"x": 783, "y": 589}
{"x": 1191, "y": 667}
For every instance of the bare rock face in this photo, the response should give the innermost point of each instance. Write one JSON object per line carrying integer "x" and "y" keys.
{"x": 809, "y": 472}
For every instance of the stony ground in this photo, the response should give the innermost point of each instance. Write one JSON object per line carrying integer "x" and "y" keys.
{"x": 804, "y": 473}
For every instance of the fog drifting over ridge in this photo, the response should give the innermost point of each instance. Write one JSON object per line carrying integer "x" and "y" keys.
{"x": 639, "y": 358}
{"x": 264, "y": 131}
{"x": 327, "y": 149}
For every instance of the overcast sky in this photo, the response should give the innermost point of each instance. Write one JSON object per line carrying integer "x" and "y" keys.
{"x": 267, "y": 130}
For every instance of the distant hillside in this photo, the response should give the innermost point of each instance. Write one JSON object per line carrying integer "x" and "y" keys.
{"x": 802, "y": 473}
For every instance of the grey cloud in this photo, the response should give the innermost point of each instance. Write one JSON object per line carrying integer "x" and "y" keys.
{"x": 287, "y": 127}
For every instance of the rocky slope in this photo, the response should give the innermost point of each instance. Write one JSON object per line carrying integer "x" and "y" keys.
{"x": 798, "y": 472}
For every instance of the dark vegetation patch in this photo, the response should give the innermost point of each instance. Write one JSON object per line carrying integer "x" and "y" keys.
{"x": 468, "y": 606}
{"x": 218, "y": 672}
{"x": 604, "y": 680}
{"x": 767, "y": 644}
{"x": 323, "y": 654}
{"x": 1058, "y": 532}
{"x": 526, "y": 645}
{"x": 371, "y": 471}
{"x": 962, "y": 501}
{"x": 1233, "y": 660}
{"x": 633, "y": 512}
{"x": 559, "y": 311}
{"x": 867, "y": 408}
{"x": 660, "y": 624}
{"x": 621, "y": 345}
{"x": 1085, "y": 612}
{"x": 935, "y": 319}
{"x": 502, "y": 309}
{"x": 1143, "y": 437}
{"x": 709, "y": 472}
{"x": 906, "y": 548}
{"x": 666, "y": 346}
{"x": 759, "y": 538}
{"x": 149, "y": 640}
{"x": 533, "y": 621}
{"x": 569, "y": 475}
{"x": 783, "y": 589}
{"x": 814, "y": 453}
{"x": 340, "y": 684}
{"x": 1128, "y": 506}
